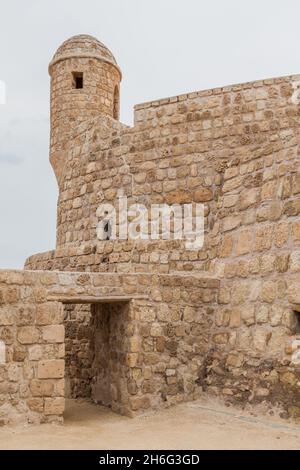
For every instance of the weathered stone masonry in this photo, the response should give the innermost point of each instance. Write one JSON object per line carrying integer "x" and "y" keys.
{"x": 234, "y": 149}
{"x": 31, "y": 327}
{"x": 150, "y": 335}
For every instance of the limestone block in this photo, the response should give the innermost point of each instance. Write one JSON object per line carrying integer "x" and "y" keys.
{"x": 295, "y": 261}
{"x": 7, "y": 316}
{"x": 289, "y": 319}
{"x": 139, "y": 403}
{"x": 28, "y": 335}
{"x": 231, "y": 172}
{"x": 264, "y": 237}
{"x": 35, "y": 352}
{"x": 226, "y": 246}
{"x": 248, "y": 314}
{"x": 51, "y": 369}
{"x": 296, "y": 184}
{"x": 14, "y": 373}
{"x": 49, "y": 313}
{"x": 295, "y": 359}
{"x": 235, "y": 360}
{"x": 281, "y": 234}
{"x": 178, "y": 197}
{"x": 232, "y": 184}
{"x": 53, "y": 333}
{"x": 269, "y": 211}
{"x": 282, "y": 262}
{"x": 189, "y": 314}
{"x": 135, "y": 344}
{"x": 254, "y": 289}
{"x": 224, "y": 296}
{"x": 221, "y": 338}
{"x": 248, "y": 198}
{"x": 202, "y": 195}
{"x": 156, "y": 330}
{"x": 231, "y": 223}
{"x": 262, "y": 392}
{"x": 19, "y": 354}
{"x": 268, "y": 190}
{"x": 163, "y": 312}
{"x": 292, "y": 208}
{"x": 262, "y": 314}
{"x": 26, "y": 315}
{"x": 230, "y": 200}
{"x": 11, "y": 294}
{"x": 42, "y": 388}
{"x": 276, "y": 343}
{"x": 293, "y": 291}
{"x": 288, "y": 378}
{"x": 269, "y": 291}
{"x": 132, "y": 359}
{"x": 296, "y": 230}
{"x": 261, "y": 338}
{"x": 54, "y": 406}
{"x": 235, "y": 317}
{"x": 36, "y": 404}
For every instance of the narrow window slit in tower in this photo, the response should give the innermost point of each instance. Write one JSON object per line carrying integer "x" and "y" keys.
{"x": 116, "y": 103}
{"x": 77, "y": 80}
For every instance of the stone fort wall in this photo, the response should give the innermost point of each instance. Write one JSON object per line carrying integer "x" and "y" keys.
{"x": 235, "y": 149}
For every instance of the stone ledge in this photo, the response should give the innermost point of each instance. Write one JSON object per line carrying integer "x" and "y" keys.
{"x": 69, "y": 299}
{"x": 212, "y": 91}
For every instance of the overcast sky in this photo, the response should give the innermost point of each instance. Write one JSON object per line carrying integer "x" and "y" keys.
{"x": 164, "y": 48}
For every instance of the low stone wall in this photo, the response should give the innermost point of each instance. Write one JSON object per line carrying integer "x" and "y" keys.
{"x": 118, "y": 256}
{"x": 146, "y": 341}
{"x": 157, "y": 334}
{"x": 32, "y": 336}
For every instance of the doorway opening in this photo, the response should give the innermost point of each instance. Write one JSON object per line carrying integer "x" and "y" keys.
{"x": 96, "y": 351}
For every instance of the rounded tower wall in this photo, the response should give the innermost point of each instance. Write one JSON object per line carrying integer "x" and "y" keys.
{"x": 85, "y": 81}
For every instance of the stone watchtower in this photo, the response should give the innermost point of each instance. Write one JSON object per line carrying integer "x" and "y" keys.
{"x": 85, "y": 83}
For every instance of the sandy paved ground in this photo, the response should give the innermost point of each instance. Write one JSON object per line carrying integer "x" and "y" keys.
{"x": 198, "y": 425}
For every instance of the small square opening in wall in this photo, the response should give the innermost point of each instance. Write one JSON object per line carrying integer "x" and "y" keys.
{"x": 77, "y": 80}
